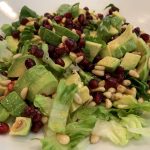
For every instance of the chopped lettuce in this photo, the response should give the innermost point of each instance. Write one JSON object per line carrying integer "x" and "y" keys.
{"x": 7, "y": 29}
{"x": 75, "y": 10}
{"x": 61, "y": 106}
{"x": 64, "y": 8}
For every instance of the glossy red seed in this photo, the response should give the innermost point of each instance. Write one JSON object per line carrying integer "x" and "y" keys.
{"x": 93, "y": 83}
{"x": 60, "y": 62}
{"x": 48, "y": 15}
{"x": 145, "y": 37}
{"x": 16, "y": 34}
{"x": 78, "y": 32}
{"x": 97, "y": 59}
{"x": 51, "y": 50}
{"x": 37, "y": 117}
{"x": 29, "y": 63}
{"x": 86, "y": 8}
{"x": 36, "y": 127}
{"x": 10, "y": 86}
{"x": 4, "y": 128}
{"x": 60, "y": 51}
{"x": 88, "y": 16}
{"x": 48, "y": 26}
{"x": 120, "y": 70}
{"x": 81, "y": 19}
{"x": 58, "y": 19}
{"x": 36, "y": 26}
{"x": 98, "y": 97}
{"x": 1, "y": 38}
{"x": 24, "y": 21}
{"x": 68, "y": 15}
{"x": 111, "y": 82}
{"x": 101, "y": 16}
{"x": 81, "y": 43}
{"x": 71, "y": 44}
{"x": 137, "y": 31}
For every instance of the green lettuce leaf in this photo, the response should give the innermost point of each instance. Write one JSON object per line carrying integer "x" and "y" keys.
{"x": 64, "y": 8}
{"x": 7, "y": 29}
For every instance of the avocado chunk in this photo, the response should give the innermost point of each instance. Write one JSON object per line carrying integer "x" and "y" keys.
{"x": 92, "y": 48}
{"x": 110, "y": 63}
{"x": 4, "y": 114}
{"x": 18, "y": 67}
{"x": 21, "y": 126}
{"x": 130, "y": 61}
{"x": 125, "y": 102}
{"x": 13, "y": 104}
{"x": 7, "y": 29}
{"x": 12, "y": 44}
{"x": 62, "y": 31}
{"x": 49, "y": 36}
{"x": 126, "y": 42}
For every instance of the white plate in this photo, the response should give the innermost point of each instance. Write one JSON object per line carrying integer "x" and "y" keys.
{"x": 136, "y": 12}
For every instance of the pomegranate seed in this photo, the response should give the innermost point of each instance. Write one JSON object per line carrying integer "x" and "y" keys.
{"x": 71, "y": 44}
{"x": 97, "y": 59}
{"x": 29, "y": 112}
{"x": 145, "y": 37}
{"x": 120, "y": 70}
{"x": 111, "y": 82}
{"x": 16, "y": 34}
{"x": 80, "y": 54}
{"x": 48, "y": 26}
{"x": 51, "y": 50}
{"x": 60, "y": 51}
{"x": 69, "y": 23}
{"x": 48, "y": 15}
{"x": 84, "y": 62}
{"x": 10, "y": 86}
{"x": 36, "y": 26}
{"x": 24, "y": 21}
{"x": 86, "y": 8}
{"x": 37, "y": 116}
{"x": 88, "y": 16}
{"x": 101, "y": 16}
{"x": 29, "y": 63}
{"x": 4, "y": 128}
{"x": 98, "y": 97}
{"x": 58, "y": 19}
{"x": 36, "y": 126}
{"x": 81, "y": 19}
{"x": 36, "y": 51}
{"x": 68, "y": 15}
{"x": 137, "y": 31}
{"x": 78, "y": 32}
{"x": 93, "y": 83}
{"x": 81, "y": 43}
{"x": 60, "y": 62}
{"x": 1, "y": 38}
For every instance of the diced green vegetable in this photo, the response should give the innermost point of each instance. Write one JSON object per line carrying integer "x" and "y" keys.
{"x": 64, "y": 8}
{"x": 7, "y": 29}
{"x": 3, "y": 114}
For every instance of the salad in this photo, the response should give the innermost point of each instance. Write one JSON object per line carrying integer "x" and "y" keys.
{"x": 77, "y": 75}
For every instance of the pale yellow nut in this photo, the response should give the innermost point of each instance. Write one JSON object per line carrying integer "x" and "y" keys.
{"x": 122, "y": 106}
{"x": 112, "y": 90}
{"x": 131, "y": 91}
{"x": 148, "y": 91}
{"x": 107, "y": 94}
{"x": 17, "y": 56}
{"x": 82, "y": 35}
{"x": 63, "y": 20}
{"x": 21, "y": 28}
{"x": 98, "y": 73}
{"x": 140, "y": 100}
{"x": 92, "y": 104}
{"x": 30, "y": 23}
{"x": 90, "y": 98}
{"x": 94, "y": 139}
{"x": 50, "y": 22}
{"x": 101, "y": 83}
{"x": 99, "y": 89}
{"x": 121, "y": 88}
{"x": 74, "y": 31}
{"x": 79, "y": 59}
{"x": 118, "y": 96}
{"x": 36, "y": 38}
{"x": 31, "y": 19}
{"x": 44, "y": 119}
{"x": 61, "y": 45}
{"x": 77, "y": 99}
{"x": 63, "y": 139}
{"x": 137, "y": 53}
{"x": 24, "y": 92}
{"x": 63, "y": 39}
{"x": 108, "y": 103}
{"x": 73, "y": 56}
{"x": 101, "y": 68}
{"x": 126, "y": 82}
{"x": 4, "y": 82}
{"x": 134, "y": 73}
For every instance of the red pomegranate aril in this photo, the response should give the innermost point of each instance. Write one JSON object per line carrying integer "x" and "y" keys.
{"x": 58, "y": 19}
{"x": 45, "y": 22}
{"x": 1, "y": 38}
{"x": 68, "y": 15}
{"x": 29, "y": 63}
{"x": 10, "y": 86}
{"x": 98, "y": 97}
{"x": 37, "y": 117}
{"x": 51, "y": 50}
{"x": 60, "y": 51}
{"x": 84, "y": 62}
{"x": 36, "y": 26}
{"x": 36, "y": 127}
{"x": 24, "y": 21}
{"x": 111, "y": 82}
{"x": 71, "y": 44}
{"x": 60, "y": 62}
{"x": 48, "y": 15}
{"x": 81, "y": 43}
{"x": 137, "y": 31}
{"x": 48, "y": 26}
{"x": 4, "y": 128}
{"x": 78, "y": 32}
{"x": 80, "y": 54}
{"x": 81, "y": 19}
{"x": 145, "y": 37}
{"x": 16, "y": 34}
{"x": 86, "y": 8}
{"x": 120, "y": 70}
{"x": 97, "y": 59}
{"x": 88, "y": 16}
{"x": 101, "y": 16}
{"x": 93, "y": 83}
{"x": 29, "y": 112}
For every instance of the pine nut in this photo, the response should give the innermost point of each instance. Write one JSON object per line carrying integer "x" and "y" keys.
{"x": 63, "y": 139}
{"x": 112, "y": 90}
{"x": 107, "y": 94}
{"x": 98, "y": 73}
{"x": 79, "y": 59}
{"x": 122, "y": 106}
{"x": 50, "y": 22}
{"x": 101, "y": 68}
{"x": 74, "y": 31}
{"x": 118, "y": 96}
{"x": 108, "y": 103}
{"x": 78, "y": 99}
{"x": 82, "y": 35}
{"x": 94, "y": 139}
{"x": 73, "y": 56}
{"x": 131, "y": 91}
{"x": 148, "y": 91}
{"x": 126, "y": 82}
{"x": 121, "y": 88}
{"x": 63, "y": 39}
{"x": 30, "y": 23}
{"x": 24, "y": 92}
{"x": 44, "y": 119}
{"x": 92, "y": 104}
{"x": 4, "y": 82}
{"x": 17, "y": 56}
{"x": 141, "y": 100}
{"x": 99, "y": 89}
{"x": 63, "y": 20}
{"x": 90, "y": 98}
{"x": 21, "y": 28}
{"x": 134, "y": 73}
{"x": 101, "y": 83}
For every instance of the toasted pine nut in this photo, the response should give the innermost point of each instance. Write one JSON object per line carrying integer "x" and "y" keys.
{"x": 44, "y": 119}
{"x": 99, "y": 89}
{"x": 140, "y": 100}
{"x": 131, "y": 91}
{"x": 63, "y": 20}
{"x": 82, "y": 35}
{"x": 148, "y": 91}
{"x": 30, "y": 23}
{"x": 92, "y": 104}
{"x": 107, "y": 94}
{"x": 90, "y": 99}
{"x": 118, "y": 96}
{"x": 4, "y": 82}
{"x": 94, "y": 139}
{"x": 98, "y": 73}
{"x": 21, "y": 28}
{"x": 17, "y": 56}
{"x": 134, "y": 73}
{"x": 79, "y": 59}
{"x": 122, "y": 106}
{"x": 63, "y": 139}
{"x": 63, "y": 39}
{"x": 78, "y": 99}
{"x": 74, "y": 31}
{"x": 101, "y": 83}
{"x": 73, "y": 56}
{"x": 112, "y": 90}
{"x": 108, "y": 103}
{"x": 121, "y": 88}
{"x": 24, "y": 92}
{"x": 101, "y": 68}
{"x": 126, "y": 82}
